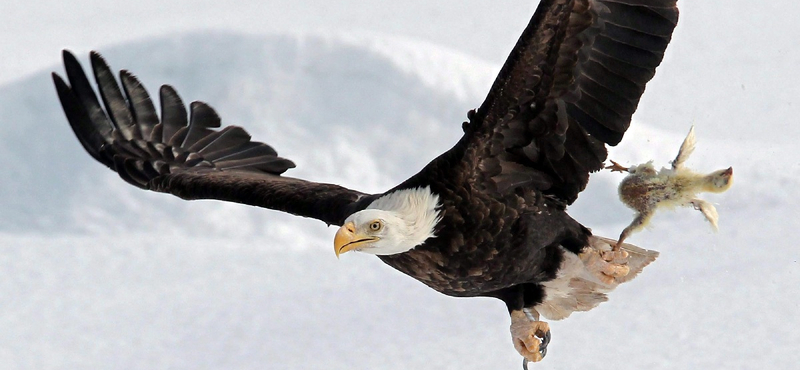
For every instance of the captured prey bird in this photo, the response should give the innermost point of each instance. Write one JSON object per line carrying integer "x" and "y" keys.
{"x": 486, "y": 218}
{"x": 645, "y": 190}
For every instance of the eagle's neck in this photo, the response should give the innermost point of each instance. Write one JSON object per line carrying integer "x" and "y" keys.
{"x": 417, "y": 208}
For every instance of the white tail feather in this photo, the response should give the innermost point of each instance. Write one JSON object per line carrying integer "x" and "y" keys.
{"x": 577, "y": 286}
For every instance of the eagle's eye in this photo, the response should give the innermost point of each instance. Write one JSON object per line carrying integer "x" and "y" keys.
{"x": 376, "y": 225}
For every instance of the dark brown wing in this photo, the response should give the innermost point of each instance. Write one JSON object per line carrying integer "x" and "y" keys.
{"x": 568, "y": 88}
{"x": 183, "y": 154}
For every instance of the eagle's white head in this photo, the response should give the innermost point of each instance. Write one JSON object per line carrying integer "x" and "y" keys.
{"x": 394, "y": 223}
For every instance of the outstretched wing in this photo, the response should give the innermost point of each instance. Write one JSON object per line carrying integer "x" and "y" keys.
{"x": 182, "y": 153}
{"x": 569, "y": 87}
{"x": 687, "y": 148}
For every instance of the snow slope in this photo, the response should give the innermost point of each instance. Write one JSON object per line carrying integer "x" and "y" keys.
{"x": 32, "y": 32}
{"x": 736, "y": 57}
{"x": 98, "y": 274}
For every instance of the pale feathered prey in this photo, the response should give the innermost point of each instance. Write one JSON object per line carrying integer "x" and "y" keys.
{"x": 645, "y": 190}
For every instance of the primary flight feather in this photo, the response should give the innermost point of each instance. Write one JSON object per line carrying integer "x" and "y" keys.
{"x": 485, "y": 218}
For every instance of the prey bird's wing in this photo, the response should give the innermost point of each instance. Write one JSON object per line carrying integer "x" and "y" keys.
{"x": 186, "y": 155}
{"x": 686, "y": 150}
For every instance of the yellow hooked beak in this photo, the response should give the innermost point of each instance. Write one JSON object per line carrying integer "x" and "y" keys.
{"x": 347, "y": 240}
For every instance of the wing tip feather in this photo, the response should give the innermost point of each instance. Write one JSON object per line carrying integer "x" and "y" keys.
{"x": 104, "y": 141}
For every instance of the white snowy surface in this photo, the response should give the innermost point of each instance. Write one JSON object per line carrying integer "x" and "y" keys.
{"x": 97, "y": 274}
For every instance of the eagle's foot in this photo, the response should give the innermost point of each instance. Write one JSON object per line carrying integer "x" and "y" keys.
{"x": 606, "y": 266}
{"x": 530, "y": 337}
{"x": 616, "y": 167}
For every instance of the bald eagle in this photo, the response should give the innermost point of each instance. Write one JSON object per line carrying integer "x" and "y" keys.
{"x": 485, "y": 218}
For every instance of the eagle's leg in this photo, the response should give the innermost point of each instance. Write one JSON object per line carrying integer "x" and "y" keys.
{"x": 640, "y": 221}
{"x": 606, "y": 265}
{"x": 530, "y": 335}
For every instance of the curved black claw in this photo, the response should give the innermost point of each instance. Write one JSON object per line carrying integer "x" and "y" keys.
{"x": 545, "y": 342}
{"x": 542, "y": 349}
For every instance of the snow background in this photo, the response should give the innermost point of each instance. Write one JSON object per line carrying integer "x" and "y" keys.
{"x": 97, "y": 274}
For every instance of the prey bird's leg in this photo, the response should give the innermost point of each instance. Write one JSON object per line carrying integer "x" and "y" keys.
{"x": 616, "y": 167}
{"x": 530, "y": 335}
{"x": 641, "y": 219}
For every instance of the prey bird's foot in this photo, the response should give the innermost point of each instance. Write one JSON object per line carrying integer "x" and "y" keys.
{"x": 606, "y": 266}
{"x": 530, "y": 339}
{"x": 616, "y": 167}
